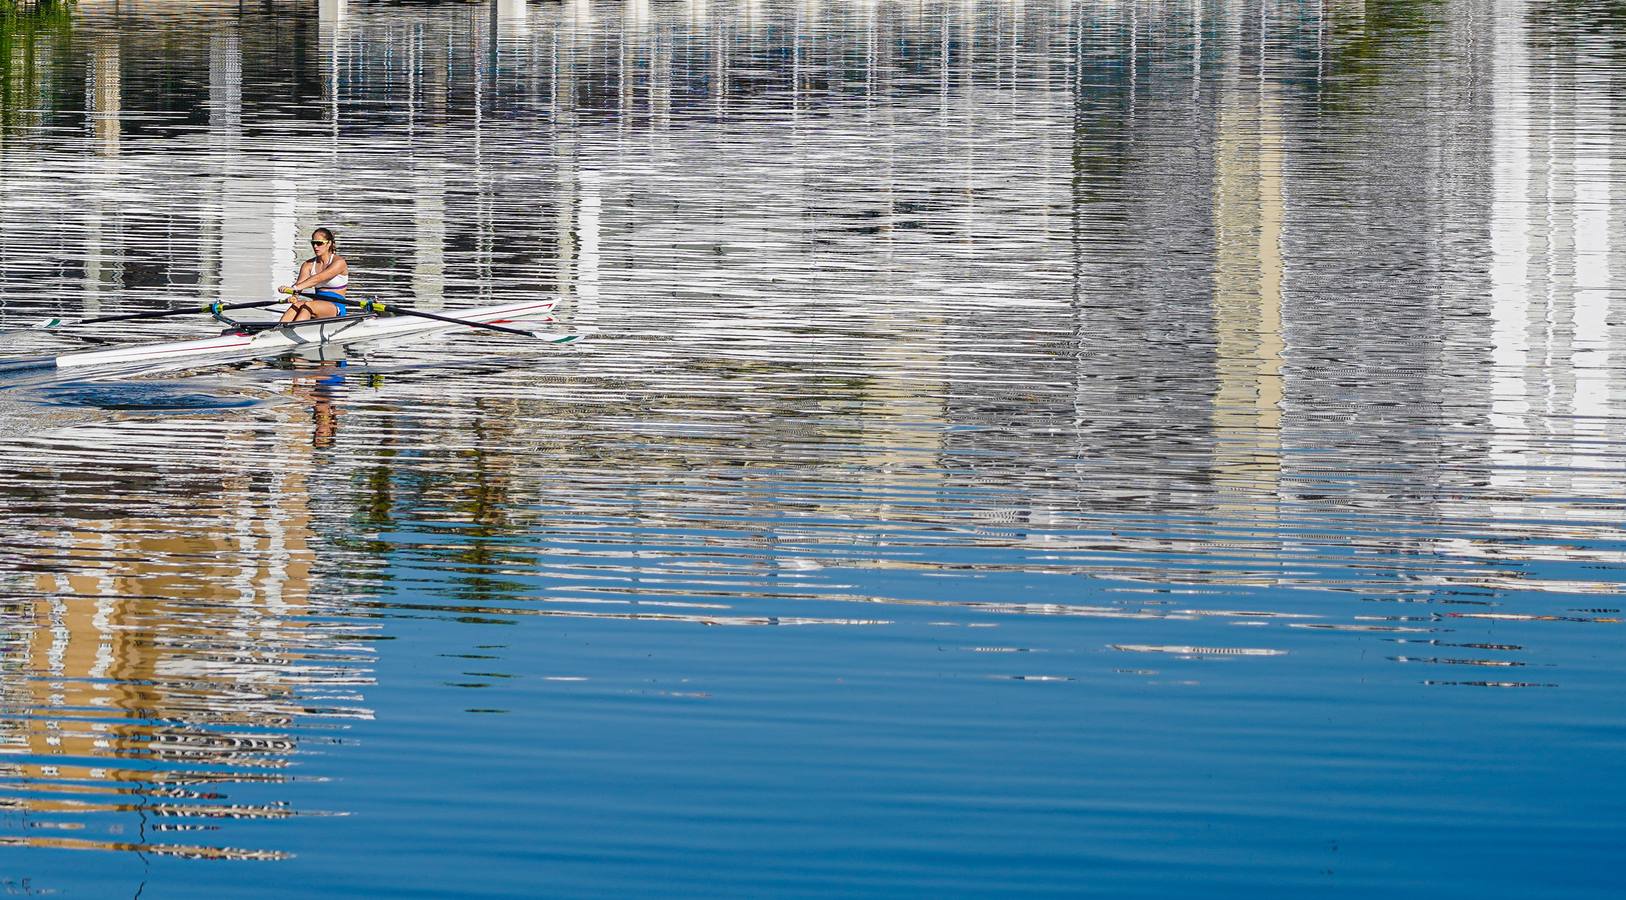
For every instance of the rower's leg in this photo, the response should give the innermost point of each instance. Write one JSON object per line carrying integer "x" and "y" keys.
{"x": 309, "y": 309}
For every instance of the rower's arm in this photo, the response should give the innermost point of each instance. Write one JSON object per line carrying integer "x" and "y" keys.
{"x": 337, "y": 267}
{"x": 304, "y": 273}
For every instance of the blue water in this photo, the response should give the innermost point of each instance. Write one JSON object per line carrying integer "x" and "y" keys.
{"x": 1126, "y": 451}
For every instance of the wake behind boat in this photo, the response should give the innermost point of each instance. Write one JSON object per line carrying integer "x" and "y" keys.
{"x": 378, "y": 323}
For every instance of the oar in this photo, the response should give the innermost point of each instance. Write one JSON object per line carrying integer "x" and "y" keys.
{"x": 407, "y": 311}
{"x": 187, "y": 310}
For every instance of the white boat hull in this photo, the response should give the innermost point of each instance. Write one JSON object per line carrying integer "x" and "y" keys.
{"x": 286, "y": 338}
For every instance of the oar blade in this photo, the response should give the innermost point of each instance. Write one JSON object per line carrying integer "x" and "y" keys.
{"x": 535, "y": 329}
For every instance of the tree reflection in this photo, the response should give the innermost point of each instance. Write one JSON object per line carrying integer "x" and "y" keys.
{"x": 35, "y": 42}
{"x": 1362, "y": 42}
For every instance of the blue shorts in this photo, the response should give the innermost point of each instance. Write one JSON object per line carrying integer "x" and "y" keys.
{"x": 336, "y": 299}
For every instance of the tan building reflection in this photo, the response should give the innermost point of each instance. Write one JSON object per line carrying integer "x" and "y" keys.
{"x": 1248, "y": 209}
{"x": 171, "y": 656}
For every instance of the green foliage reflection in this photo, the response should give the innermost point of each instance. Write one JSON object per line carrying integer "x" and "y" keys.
{"x": 33, "y": 34}
{"x": 1366, "y": 40}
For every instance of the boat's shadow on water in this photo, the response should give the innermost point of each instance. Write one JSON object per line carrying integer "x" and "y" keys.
{"x": 39, "y": 383}
{"x": 140, "y": 396}
{"x": 36, "y": 396}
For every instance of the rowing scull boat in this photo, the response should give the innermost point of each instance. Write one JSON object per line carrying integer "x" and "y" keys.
{"x": 247, "y": 343}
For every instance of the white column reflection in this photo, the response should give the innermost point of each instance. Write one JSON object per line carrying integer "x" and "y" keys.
{"x": 331, "y": 14}
{"x": 429, "y": 240}
{"x": 257, "y": 234}
{"x": 255, "y": 223}
{"x": 1554, "y": 392}
{"x": 1593, "y": 341}
{"x": 1510, "y": 247}
{"x": 225, "y": 90}
{"x": 512, "y": 20}
{"x": 106, "y": 96}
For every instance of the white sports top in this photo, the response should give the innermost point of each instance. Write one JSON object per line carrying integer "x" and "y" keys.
{"x": 341, "y": 280}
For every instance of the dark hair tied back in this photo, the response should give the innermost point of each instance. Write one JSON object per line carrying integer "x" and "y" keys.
{"x": 332, "y": 239}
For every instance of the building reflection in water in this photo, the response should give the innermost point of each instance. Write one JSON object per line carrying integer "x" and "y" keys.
{"x": 1037, "y": 260}
{"x": 173, "y": 660}
{"x": 449, "y": 101}
{"x": 1248, "y": 270}
{"x": 1553, "y": 389}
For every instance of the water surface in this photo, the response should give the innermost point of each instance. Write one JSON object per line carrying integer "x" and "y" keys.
{"x": 1117, "y": 449}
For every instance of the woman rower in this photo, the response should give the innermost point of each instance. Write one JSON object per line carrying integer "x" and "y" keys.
{"x": 326, "y": 275}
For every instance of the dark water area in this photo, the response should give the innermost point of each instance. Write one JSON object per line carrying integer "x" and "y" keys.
{"x": 1120, "y": 449}
{"x": 145, "y": 396}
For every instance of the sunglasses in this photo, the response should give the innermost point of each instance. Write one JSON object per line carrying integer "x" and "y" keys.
{"x": 317, "y": 243}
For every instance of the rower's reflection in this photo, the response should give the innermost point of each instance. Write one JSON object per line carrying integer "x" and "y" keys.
{"x": 319, "y": 384}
